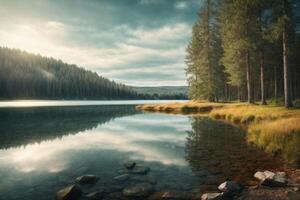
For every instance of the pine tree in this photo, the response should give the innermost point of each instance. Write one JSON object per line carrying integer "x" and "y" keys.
{"x": 286, "y": 49}
{"x": 239, "y": 39}
{"x": 204, "y": 51}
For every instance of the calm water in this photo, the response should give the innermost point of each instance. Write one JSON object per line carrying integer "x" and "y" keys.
{"x": 43, "y": 149}
{"x": 41, "y": 103}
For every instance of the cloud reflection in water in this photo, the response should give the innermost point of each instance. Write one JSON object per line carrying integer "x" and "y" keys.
{"x": 151, "y": 138}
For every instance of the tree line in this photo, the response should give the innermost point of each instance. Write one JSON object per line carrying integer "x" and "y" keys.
{"x": 246, "y": 50}
{"x": 24, "y": 75}
{"x": 28, "y": 76}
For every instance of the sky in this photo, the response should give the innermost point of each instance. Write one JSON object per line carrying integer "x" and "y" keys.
{"x": 136, "y": 42}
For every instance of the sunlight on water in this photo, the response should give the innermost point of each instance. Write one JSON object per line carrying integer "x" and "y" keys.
{"x": 41, "y": 103}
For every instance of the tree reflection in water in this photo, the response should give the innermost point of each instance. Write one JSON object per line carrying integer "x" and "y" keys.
{"x": 22, "y": 126}
{"x": 218, "y": 151}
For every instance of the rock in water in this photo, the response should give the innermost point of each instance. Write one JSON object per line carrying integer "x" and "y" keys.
{"x": 140, "y": 190}
{"x": 143, "y": 178}
{"x": 95, "y": 195}
{"x": 230, "y": 188}
{"x": 212, "y": 196}
{"x": 174, "y": 195}
{"x": 87, "y": 179}
{"x": 140, "y": 170}
{"x": 122, "y": 178}
{"x": 129, "y": 165}
{"x": 72, "y": 192}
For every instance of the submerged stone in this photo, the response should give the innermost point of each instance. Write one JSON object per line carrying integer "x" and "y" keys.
{"x": 72, "y": 192}
{"x": 174, "y": 195}
{"x": 139, "y": 169}
{"x": 139, "y": 190}
{"x": 142, "y": 178}
{"x": 123, "y": 177}
{"x": 95, "y": 195}
{"x": 87, "y": 179}
{"x": 129, "y": 164}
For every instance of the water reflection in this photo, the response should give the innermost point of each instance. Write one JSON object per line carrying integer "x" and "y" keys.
{"x": 54, "y": 153}
{"x": 219, "y": 151}
{"x": 21, "y": 126}
{"x": 141, "y": 139}
{"x": 44, "y": 149}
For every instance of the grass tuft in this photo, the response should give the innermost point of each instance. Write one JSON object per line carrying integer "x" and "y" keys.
{"x": 281, "y": 135}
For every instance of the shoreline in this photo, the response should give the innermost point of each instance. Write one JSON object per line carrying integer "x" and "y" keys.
{"x": 271, "y": 128}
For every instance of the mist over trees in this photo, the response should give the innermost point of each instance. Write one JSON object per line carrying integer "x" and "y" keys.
{"x": 245, "y": 50}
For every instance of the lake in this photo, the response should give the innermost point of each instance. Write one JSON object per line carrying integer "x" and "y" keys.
{"x": 44, "y": 148}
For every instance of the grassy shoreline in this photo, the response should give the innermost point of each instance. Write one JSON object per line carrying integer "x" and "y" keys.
{"x": 272, "y": 128}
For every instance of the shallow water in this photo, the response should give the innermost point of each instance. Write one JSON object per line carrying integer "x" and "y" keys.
{"x": 43, "y": 149}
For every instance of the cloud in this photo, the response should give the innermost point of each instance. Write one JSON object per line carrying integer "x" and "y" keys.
{"x": 128, "y": 38}
{"x": 147, "y": 2}
{"x": 55, "y": 24}
{"x": 144, "y": 53}
{"x": 181, "y": 5}
{"x": 160, "y": 36}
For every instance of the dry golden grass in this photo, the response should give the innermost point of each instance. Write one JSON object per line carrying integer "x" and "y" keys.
{"x": 281, "y": 135}
{"x": 279, "y": 127}
{"x": 233, "y": 112}
{"x": 181, "y": 107}
{"x": 244, "y": 113}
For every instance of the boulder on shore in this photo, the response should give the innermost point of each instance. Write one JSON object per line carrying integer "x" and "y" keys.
{"x": 212, "y": 196}
{"x": 174, "y": 195}
{"x": 230, "y": 188}
{"x": 271, "y": 179}
{"x": 139, "y": 190}
{"x": 72, "y": 192}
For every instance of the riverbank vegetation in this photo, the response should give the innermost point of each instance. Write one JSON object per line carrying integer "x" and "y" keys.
{"x": 245, "y": 50}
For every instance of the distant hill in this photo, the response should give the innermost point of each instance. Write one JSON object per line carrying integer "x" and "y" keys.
{"x": 163, "y": 90}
